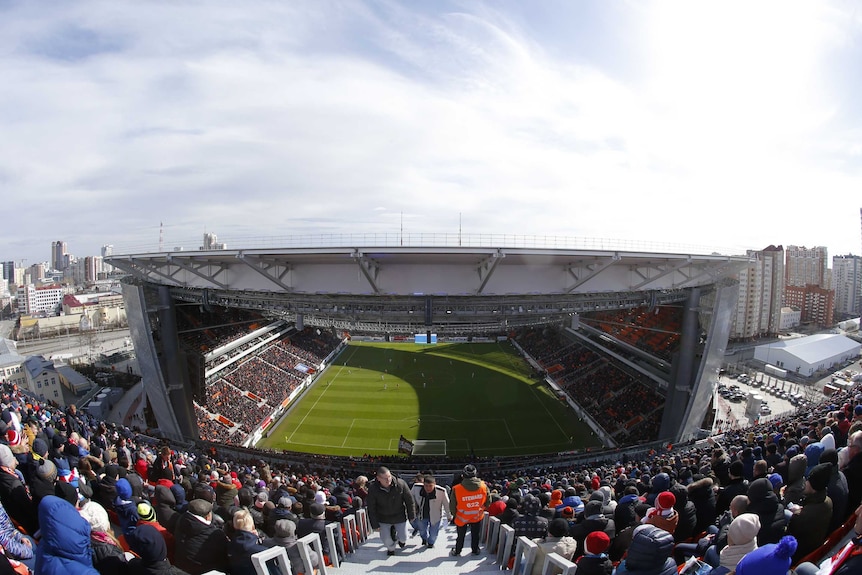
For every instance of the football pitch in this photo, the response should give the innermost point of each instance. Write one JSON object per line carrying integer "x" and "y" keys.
{"x": 478, "y": 397}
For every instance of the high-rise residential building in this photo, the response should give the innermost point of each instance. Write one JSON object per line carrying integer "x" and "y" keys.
{"x": 761, "y": 283}
{"x": 806, "y": 266}
{"x": 847, "y": 283}
{"x": 808, "y": 284}
{"x": 211, "y": 243}
{"x": 58, "y": 253}
{"x": 9, "y": 271}
{"x": 107, "y": 250}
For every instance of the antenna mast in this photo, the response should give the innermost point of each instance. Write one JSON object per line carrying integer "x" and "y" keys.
{"x": 161, "y": 237}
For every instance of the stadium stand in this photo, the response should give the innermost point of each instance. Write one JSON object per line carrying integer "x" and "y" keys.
{"x": 53, "y": 460}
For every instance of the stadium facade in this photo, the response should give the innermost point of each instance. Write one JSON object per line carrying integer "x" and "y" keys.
{"x": 450, "y": 291}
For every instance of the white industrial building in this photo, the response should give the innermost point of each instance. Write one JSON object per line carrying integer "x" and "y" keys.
{"x": 809, "y": 355}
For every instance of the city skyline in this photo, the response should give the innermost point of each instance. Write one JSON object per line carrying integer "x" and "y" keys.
{"x": 724, "y": 125}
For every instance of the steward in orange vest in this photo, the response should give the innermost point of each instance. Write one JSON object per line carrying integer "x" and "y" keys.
{"x": 468, "y": 504}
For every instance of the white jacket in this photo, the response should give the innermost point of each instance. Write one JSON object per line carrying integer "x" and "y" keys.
{"x": 439, "y": 506}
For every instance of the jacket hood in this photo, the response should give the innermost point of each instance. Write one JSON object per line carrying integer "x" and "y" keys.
{"x": 165, "y": 496}
{"x": 148, "y": 543}
{"x": 651, "y": 546}
{"x": 812, "y": 455}
{"x": 796, "y": 469}
{"x": 700, "y": 485}
{"x": 759, "y": 490}
{"x": 660, "y": 482}
{"x": 743, "y": 529}
{"x": 471, "y": 483}
{"x": 64, "y": 532}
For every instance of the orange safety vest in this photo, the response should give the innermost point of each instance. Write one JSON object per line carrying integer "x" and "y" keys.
{"x": 470, "y": 504}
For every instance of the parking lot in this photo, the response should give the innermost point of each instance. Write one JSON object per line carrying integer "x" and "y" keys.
{"x": 778, "y": 397}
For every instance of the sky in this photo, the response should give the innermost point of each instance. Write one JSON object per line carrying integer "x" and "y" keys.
{"x": 719, "y": 126}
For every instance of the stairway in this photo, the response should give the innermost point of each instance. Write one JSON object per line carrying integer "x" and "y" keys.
{"x": 371, "y": 557}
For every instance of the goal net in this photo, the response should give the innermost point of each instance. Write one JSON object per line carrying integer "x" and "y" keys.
{"x": 429, "y": 447}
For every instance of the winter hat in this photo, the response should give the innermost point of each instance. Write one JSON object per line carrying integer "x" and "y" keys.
{"x": 559, "y": 527}
{"x": 819, "y": 476}
{"x": 285, "y": 528}
{"x": 124, "y": 489}
{"x": 46, "y": 470}
{"x": 469, "y": 471}
{"x": 316, "y": 510}
{"x": 6, "y": 457}
{"x": 40, "y": 447}
{"x": 261, "y": 499}
{"x": 13, "y": 437}
{"x": 200, "y": 507}
{"x": 812, "y": 455}
{"x": 593, "y": 508}
{"x": 556, "y": 498}
{"x": 149, "y": 544}
{"x": 567, "y": 512}
{"x": 596, "y": 542}
{"x": 97, "y": 517}
{"x": 531, "y": 505}
{"x": 771, "y": 559}
{"x": 67, "y": 492}
{"x": 737, "y": 469}
{"x": 743, "y": 529}
{"x": 664, "y": 502}
{"x": 320, "y": 497}
{"x": 146, "y": 511}
{"x": 857, "y": 410}
{"x": 776, "y": 480}
{"x": 661, "y": 482}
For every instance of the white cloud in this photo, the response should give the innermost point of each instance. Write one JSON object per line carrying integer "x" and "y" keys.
{"x": 278, "y": 118}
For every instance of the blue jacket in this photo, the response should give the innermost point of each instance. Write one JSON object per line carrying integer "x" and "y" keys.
{"x": 65, "y": 545}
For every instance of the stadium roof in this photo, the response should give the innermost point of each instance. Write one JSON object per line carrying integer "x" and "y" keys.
{"x": 412, "y": 270}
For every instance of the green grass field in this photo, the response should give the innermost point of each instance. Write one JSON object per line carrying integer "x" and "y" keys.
{"x": 478, "y": 397}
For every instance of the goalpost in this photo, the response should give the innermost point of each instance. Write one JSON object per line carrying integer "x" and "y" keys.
{"x": 429, "y": 447}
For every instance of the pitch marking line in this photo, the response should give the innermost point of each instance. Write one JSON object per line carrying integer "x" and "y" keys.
{"x": 545, "y": 407}
{"x": 325, "y": 389}
{"x": 346, "y": 435}
{"x": 509, "y": 431}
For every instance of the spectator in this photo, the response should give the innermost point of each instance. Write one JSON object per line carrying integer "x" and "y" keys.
{"x": 314, "y": 524}
{"x": 853, "y": 470}
{"x": 810, "y": 523}
{"x": 557, "y": 541}
{"x": 65, "y": 545}
{"x": 741, "y": 540}
{"x": 148, "y": 517}
{"x": 663, "y": 515}
{"x": 595, "y": 560}
{"x": 14, "y": 494}
{"x": 432, "y": 505}
{"x": 285, "y": 536}
{"x": 763, "y": 502}
{"x": 108, "y": 557}
{"x": 200, "y": 545}
{"x": 848, "y": 561}
{"x": 771, "y": 559}
{"x": 149, "y": 545}
{"x": 649, "y": 553}
{"x": 530, "y": 525}
{"x": 15, "y": 544}
{"x": 244, "y": 543}
{"x": 593, "y": 520}
{"x": 390, "y": 504}
{"x": 837, "y": 489}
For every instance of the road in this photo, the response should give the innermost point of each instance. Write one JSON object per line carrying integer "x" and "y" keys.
{"x": 104, "y": 342}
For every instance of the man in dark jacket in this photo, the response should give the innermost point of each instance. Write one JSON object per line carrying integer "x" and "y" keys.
{"x": 853, "y": 470}
{"x": 763, "y": 502}
{"x": 810, "y": 523}
{"x": 389, "y": 503}
{"x": 837, "y": 490}
{"x": 593, "y": 520}
{"x": 200, "y": 545}
{"x": 736, "y": 486}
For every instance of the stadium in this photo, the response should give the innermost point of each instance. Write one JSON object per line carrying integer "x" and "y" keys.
{"x": 292, "y": 349}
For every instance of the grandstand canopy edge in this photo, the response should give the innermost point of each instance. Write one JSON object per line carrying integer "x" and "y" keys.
{"x": 412, "y": 271}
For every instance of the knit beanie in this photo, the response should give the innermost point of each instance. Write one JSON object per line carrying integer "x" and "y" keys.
{"x": 664, "y": 504}
{"x": 819, "y": 476}
{"x": 124, "y": 489}
{"x": 146, "y": 511}
{"x": 596, "y": 542}
{"x": 771, "y": 559}
{"x": 743, "y": 529}
{"x": 46, "y": 470}
{"x": 6, "y": 457}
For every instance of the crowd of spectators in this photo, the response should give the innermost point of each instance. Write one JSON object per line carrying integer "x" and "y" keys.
{"x": 655, "y": 331}
{"x": 624, "y": 403}
{"x": 270, "y": 377}
{"x": 208, "y": 330}
{"x": 104, "y": 498}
